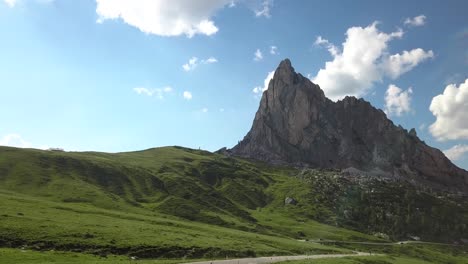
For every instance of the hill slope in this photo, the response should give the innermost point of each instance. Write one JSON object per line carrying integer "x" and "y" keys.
{"x": 159, "y": 202}
{"x": 177, "y": 202}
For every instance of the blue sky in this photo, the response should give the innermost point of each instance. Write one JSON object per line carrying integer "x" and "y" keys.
{"x": 109, "y": 75}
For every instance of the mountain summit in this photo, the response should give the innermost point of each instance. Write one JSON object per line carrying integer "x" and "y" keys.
{"x": 297, "y": 125}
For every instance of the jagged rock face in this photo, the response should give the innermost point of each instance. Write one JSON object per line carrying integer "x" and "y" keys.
{"x": 296, "y": 124}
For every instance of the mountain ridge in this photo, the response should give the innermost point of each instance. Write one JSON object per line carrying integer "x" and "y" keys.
{"x": 297, "y": 124}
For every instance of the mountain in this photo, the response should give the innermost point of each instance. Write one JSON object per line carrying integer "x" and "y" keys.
{"x": 297, "y": 124}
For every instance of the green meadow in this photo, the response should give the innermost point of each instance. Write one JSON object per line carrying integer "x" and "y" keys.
{"x": 167, "y": 205}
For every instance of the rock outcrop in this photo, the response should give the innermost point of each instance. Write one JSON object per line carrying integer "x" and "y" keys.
{"x": 297, "y": 125}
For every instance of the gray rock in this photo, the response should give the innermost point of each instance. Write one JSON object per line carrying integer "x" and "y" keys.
{"x": 297, "y": 125}
{"x": 290, "y": 200}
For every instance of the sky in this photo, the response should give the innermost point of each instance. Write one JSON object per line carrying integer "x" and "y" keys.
{"x": 123, "y": 75}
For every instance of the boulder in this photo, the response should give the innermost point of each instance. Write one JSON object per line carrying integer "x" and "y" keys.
{"x": 290, "y": 201}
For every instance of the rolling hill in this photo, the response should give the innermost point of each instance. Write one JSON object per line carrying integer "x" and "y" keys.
{"x": 175, "y": 202}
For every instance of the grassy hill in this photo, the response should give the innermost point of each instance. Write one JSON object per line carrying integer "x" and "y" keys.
{"x": 175, "y": 202}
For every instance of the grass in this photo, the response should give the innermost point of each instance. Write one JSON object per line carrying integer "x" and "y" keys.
{"x": 8, "y": 255}
{"x": 49, "y": 225}
{"x": 164, "y": 203}
{"x": 21, "y": 256}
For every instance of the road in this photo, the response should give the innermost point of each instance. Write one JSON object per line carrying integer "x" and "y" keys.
{"x": 278, "y": 259}
{"x": 376, "y": 243}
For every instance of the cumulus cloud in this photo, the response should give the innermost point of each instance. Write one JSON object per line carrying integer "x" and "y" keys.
{"x": 397, "y": 101}
{"x": 260, "y": 89}
{"x": 396, "y": 65}
{"x": 157, "y": 92}
{"x": 164, "y": 17}
{"x": 273, "y": 50}
{"x": 191, "y": 64}
{"x": 329, "y": 46}
{"x": 14, "y": 140}
{"x": 456, "y": 152}
{"x": 362, "y": 61}
{"x": 416, "y": 21}
{"x": 450, "y": 110}
{"x": 194, "y": 62}
{"x": 187, "y": 95}
{"x": 142, "y": 90}
{"x": 264, "y": 9}
{"x": 258, "y": 55}
{"x": 13, "y": 3}
{"x": 171, "y": 17}
{"x": 17, "y": 141}
{"x": 210, "y": 60}
{"x": 10, "y": 3}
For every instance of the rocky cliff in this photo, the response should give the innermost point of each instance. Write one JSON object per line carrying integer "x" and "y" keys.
{"x": 296, "y": 124}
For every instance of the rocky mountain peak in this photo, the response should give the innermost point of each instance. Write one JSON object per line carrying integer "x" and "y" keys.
{"x": 297, "y": 125}
{"x": 285, "y": 71}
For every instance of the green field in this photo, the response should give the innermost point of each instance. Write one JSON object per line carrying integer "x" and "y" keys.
{"x": 171, "y": 203}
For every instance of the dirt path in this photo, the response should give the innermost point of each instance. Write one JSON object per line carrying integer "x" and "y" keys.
{"x": 278, "y": 259}
{"x": 376, "y": 243}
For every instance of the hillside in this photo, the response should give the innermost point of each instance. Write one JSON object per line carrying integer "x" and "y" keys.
{"x": 167, "y": 201}
{"x": 178, "y": 202}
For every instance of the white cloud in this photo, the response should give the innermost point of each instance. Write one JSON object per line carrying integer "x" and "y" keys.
{"x": 450, "y": 110}
{"x": 325, "y": 43}
{"x": 191, "y": 64}
{"x": 210, "y": 60}
{"x": 157, "y": 92}
{"x": 416, "y": 21}
{"x": 319, "y": 41}
{"x": 164, "y": 17}
{"x": 142, "y": 90}
{"x": 187, "y": 95}
{"x": 194, "y": 62}
{"x": 10, "y": 3}
{"x": 14, "y": 140}
{"x": 17, "y": 141}
{"x": 397, "y": 64}
{"x": 258, "y": 55}
{"x": 397, "y": 101}
{"x": 456, "y": 152}
{"x": 363, "y": 61}
{"x": 264, "y": 9}
{"x": 205, "y": 110}
{"x": 260, "y": 89}
{"x": 273, "y": 50}
{"x": 13, "y": 3}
